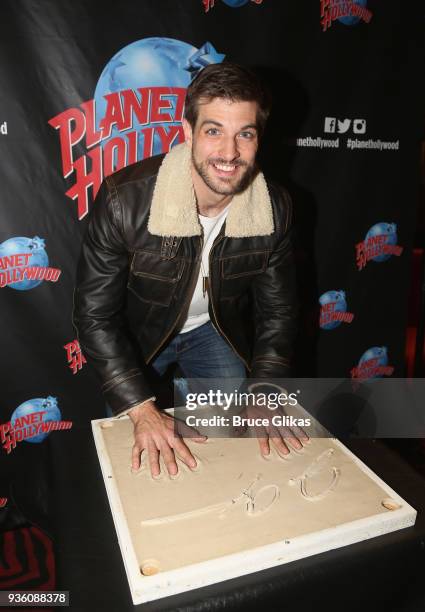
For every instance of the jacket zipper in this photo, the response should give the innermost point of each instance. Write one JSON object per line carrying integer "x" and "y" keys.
{"x": 192, "y": 289}
{"x": 210, "y": 295}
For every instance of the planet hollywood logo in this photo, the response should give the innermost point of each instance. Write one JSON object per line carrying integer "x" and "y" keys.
{"x": 333, "y": 310}
{"x": 135, "y": 113}
{"x": 373, "y": 364}
{"x": 32, "y": 421}
{"x": 74, "y": 356}
{"x": 208, "y": 4}
{"x": 379, "y": 245}
{"x": 348, "y": 12}
{"x": 24, "y": 263}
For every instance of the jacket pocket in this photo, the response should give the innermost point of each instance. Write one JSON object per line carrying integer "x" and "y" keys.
{"x": 244, "y": 264}
{"x": 154, "y": 279}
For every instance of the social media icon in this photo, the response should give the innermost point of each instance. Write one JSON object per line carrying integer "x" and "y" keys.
{"x": 330, "y": 124}
{"x": 343, "y": 126}
{"x": 359, "y": 126}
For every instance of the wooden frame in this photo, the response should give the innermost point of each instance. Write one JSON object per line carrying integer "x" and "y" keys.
{"x": 146, "y": 588}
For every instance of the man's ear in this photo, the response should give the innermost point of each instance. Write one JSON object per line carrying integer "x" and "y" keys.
{"x": 188, "y": 134}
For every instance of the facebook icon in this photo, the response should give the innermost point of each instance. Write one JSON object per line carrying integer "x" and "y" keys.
{"x": 330, "y": 123}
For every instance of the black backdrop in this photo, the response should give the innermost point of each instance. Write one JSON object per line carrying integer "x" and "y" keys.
{"x": 343, "y": 137}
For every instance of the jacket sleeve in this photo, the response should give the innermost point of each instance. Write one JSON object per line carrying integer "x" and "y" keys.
{"x": 99, "y": 299}
{"x": 275, "y": 307}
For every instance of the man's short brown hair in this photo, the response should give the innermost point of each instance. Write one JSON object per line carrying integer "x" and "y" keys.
{"x": 231, "y": 82}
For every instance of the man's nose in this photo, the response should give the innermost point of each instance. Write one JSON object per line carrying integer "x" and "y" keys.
{"x": 229, "y": 149}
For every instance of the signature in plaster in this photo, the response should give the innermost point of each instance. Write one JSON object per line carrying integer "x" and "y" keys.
{"x": 317, "y": 467}
{"x": 255, "y": 499}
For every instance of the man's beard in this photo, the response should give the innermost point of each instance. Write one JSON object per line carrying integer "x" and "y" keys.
{"x": 223, "y": 186}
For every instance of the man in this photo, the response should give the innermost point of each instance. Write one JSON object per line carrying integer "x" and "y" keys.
{"x": 187, "y": 259}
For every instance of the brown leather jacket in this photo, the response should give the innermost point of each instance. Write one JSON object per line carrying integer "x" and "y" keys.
{"x": 140, "y": 262}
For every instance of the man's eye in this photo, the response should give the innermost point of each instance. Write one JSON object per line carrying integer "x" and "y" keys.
{"x": 247, "y": 135}
{"x": 212, "y": 132}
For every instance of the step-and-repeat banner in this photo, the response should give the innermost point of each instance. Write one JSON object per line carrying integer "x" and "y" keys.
{"x": 88, "y": 87}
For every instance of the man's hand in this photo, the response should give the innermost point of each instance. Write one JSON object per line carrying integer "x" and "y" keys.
{"x": 154, "y": 432}
{"x": 283, "y": 438}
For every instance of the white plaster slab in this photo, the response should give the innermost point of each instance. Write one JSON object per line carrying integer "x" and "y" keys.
{"x": 238, "y": 512}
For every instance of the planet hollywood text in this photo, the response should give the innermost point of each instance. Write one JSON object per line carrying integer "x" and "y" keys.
{"x": 74, "y": 356}
{"x": 330, "y": 314}
{"x": 371, "y": 368}
{"x": 373, "y": 364}
{"x": 332, "y": 10}
{"x": 28, "y": 426}
{"x": 150, "y": 105}
{"x": 374, "y": 247}
{"x": 17, "y": 268}
{"x": 333, "y": 309}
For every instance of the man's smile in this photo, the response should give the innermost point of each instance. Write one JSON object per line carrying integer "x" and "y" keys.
{"x": 224, "y": 168}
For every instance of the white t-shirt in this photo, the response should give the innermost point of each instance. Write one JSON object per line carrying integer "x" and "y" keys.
{"x": 198, "y": 309}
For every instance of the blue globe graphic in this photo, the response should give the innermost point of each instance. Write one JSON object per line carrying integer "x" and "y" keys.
{"x": 47, "y": 405}
{"x": 376, "y": 352}
{"x": 387, "y": 229}
{"x": 236, "y": 3}
{"x": 337, "y": 297}
{"x": 22, "y": 245}
{"x": 151, "y": 62}
{"x": 352, "y": 19}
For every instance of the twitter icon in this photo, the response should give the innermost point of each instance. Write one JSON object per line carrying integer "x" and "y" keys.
{"x": 343, "y": 126}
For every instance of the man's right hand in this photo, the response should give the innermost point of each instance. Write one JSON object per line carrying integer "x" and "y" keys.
{"x": 154, "y": 433}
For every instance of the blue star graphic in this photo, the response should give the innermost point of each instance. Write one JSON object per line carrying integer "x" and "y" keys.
{"x": 205, "y": 56}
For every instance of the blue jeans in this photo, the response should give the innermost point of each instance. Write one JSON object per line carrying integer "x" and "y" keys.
{"x": 200, "y": 353}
